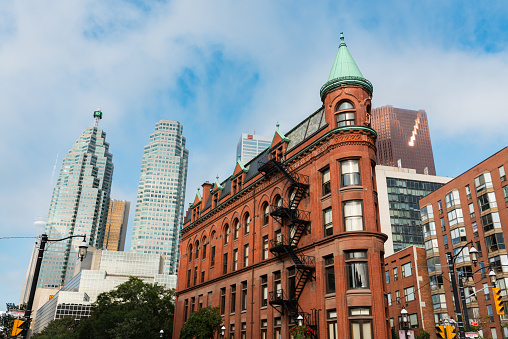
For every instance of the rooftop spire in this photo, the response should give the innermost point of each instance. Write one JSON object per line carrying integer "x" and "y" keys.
{"x": 344, "y": 71}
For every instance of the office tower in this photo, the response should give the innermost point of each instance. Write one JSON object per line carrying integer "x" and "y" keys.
{"x": 250, "y": 145}
{"x": 469, "y": 210}
{"x": 116, "y": 225}
{"x": 294, "y": 233}
{"x": 399, "y": 191}
{"x": 403, "y": 139}
{"x": 79, "y": 205}
{"x": 161, "y": 194}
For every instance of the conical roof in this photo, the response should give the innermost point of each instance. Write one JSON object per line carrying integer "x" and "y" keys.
{"x": 345, "y": 71}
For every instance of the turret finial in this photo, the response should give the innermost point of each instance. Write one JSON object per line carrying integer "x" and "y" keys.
{"x": 341, "y": 36}
{"x": 277, "y": 125}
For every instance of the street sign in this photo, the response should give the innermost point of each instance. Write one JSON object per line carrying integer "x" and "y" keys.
{"x": 410, "y": 334}
{"x": 474, "y": 323}
{"x": 471, "y": 334}
{"x": 16, "y": 328}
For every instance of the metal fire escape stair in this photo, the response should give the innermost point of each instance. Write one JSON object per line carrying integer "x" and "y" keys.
{"x": 299, "y": 222}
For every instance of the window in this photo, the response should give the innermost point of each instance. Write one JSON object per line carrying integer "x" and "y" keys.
{"x": 189, "y": 273}
{"x": 291, "y": 291}
{"x": 277, "y": 285}
{"x": 346, "y": 114}
{"x": 361, "y": 329}
{"x": 432, "y": 248}
{"x": 426, "y": 213}
{"x": 440, "y": 206}
{"x": 491, "y": 221}
{"x": 353, "y": 216}
{"x": 185, "y": 310}
{"x": 407, "y": 269}
{"x": 458, "y": 235}
{"x": 439, "y": 301}
{"x": 474, "y": 226}
{"x": 505, "y": 192}
{"x": 495, "y": 242}
{"x": 232, "y": 331}
{"x": 265, "y": 247}
{"x": 387, "y": 275}
{"x": 434, "y": 264}
{"x": 190, "y": 253}
{"x": 232, "y": 307}
{"x": 491, "y": 314}
{"x": 409, "y": 294}
{"x": 244, "y": 295}
{"x": 455, "y": 217}
{"x": 197, "y": 250}
{"x": 483, "y": 182}
{"x": 389, "y": 298}
{"x": 443, "y": 225}
{"x": 350, "y": 173}
{"x": 226, "y": 234}
{"x": 356, "y": 270}
{"x": 264, "y": 329}
{"x": 277, "y": 333}
{"x": 225, "y": 263}
{"x": 486, "y": 291}
{"x": 397, "y": 297}
{"x": 327, "y": 222}
{"x": 278, "y": 237}
{"x": 331, "y": 323}
{"x": 429, "y": 229}
{"x": 452, "y": 199}
{"x": 395, "y": 274}
{"x": 236, "y": 224}
{"x": 436, "y": 282}
{"x": 235, "y": 259}
{"x": 202, "y": 276}
{"x": 264, "y": 290}
{"x": 246, "y": 255}
{"x": 195, "y": 275}
{"x": 266, "y": 213}
{"x": 445, "y": 242}
{"x": 222, "y": 301}
{"x": 487, "y": 201}
{"x": 479, "y": 249}
{"x": 212, "y": 257}
{"x": 325, "y": 182}
{"x": 246, "y": 225}
{"x": 329, "y": 274}
{"x": 471, "y": 211}
{"x": 244, "y": 331}
{"x": 205, "y": 245}
{"x": 468, "y": 192}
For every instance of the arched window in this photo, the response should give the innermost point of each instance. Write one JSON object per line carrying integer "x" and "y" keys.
{"x": 345, "y": 114}
{"x": 246, "y": 223}
{"x": 205, "y": 245}
{"x": 236, "y": 228}
{"x": 277, "y": 201}
{"x": 291, "y": 198}
{"x": 265, "y": 209}
{"x": 212, "y": 236}
{"x": 197, "y": 250}
{"x": 190, "y": 253}
{"x": 226, "y": 234}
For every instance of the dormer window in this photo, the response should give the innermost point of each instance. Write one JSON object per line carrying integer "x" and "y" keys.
{"x": 345, "y": 114}
{"x": 215, "y": 200}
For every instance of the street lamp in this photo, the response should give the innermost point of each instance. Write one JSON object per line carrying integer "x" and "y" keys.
{"x": 223, "y": 330}
{"x": 473, "y": 252}
{"x": 300, "y": 320}
{"x": 44, "y": 240}
{"x": 162, "y": 333}
{"x": 405, "y": 327}
{"x": 492, "y": 277}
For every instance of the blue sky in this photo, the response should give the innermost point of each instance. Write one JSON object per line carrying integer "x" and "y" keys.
{"x": 222, "y": 68}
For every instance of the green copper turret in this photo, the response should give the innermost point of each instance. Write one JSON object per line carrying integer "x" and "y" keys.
{"x": 344, "y": 72}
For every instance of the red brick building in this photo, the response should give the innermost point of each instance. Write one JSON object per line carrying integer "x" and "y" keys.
{"x": 407, "y": 285}
{"x": 471, "y": 207}
{"x": 295, "y": 231}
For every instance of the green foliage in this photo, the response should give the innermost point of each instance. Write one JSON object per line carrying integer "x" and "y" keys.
{"x": 202, "y": 324}
{"x": 395, "y": 335}
{"x": 423, "y": 334}
{"x": 300, "y": 332}
{"x": 64, "y": 328}
{"x": 133, "y": 310}
{"x": 7, "y": 321}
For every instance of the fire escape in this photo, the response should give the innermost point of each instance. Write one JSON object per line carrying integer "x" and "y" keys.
{"x": 298, "y": 222}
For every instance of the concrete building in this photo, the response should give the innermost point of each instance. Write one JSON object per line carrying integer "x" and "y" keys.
{"x": 116, "y": 225}
{"x": 79, "y": 205}
{"x": 407, "y": 285}
{"x": 470, "y": 208}
{"x": 295, "y": 231}
{"x": 161, "y": 194}
{"x": 101, "y": 271}
{"x": 399, "y": 191}
{"x": 250, "y": 145}
{"x": 403, "y": 139}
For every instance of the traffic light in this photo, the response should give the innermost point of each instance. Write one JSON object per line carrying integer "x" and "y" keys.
{"x": 498, "y": 300}
{"x": 451, "y": 332}
{"x": 17, "y": 328}
{"x": 441, "y": 332}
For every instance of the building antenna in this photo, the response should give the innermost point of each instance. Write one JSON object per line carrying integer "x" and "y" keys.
{"x": 97, "y": 114}
{"x": 54, "y": 170}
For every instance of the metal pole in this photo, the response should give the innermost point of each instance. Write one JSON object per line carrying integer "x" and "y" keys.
{"x": 29, "y": 305}
{"x": 451, "y": 267}
{"x": 464, "y": 305}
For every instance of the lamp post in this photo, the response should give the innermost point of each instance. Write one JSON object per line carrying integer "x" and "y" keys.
{"x": 44, "y": 239}
{"x": 222, "y": 331}
{"x": 300, "y": 320}
{"x": 162, "y": 333}
{"x": 405, "y": 327}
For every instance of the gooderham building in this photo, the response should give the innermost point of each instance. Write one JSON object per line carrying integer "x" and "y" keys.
{"x": 294, "y": 232}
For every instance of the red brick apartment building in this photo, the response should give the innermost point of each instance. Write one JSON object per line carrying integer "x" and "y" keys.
{"x": 295, "y": 231}
{"x": 471, "y": 207}
{"x": 407, "y": 285}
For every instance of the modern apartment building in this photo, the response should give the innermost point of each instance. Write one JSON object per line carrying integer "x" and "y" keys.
{"x": 470, "y": 208}
{"x": 250, "y": 145}
{"x": 161, "y": 194}
{"x": 116, "y": 225}
{"x": 399, "y": 191}
{"x": 79, "y": 205}
{"x": 295, "y": 232}
{"x": 403, "y": 139}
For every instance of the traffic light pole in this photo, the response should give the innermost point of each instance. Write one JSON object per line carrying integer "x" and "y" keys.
{"x": 467, "y": 325}
{"x": 451, "y": 267}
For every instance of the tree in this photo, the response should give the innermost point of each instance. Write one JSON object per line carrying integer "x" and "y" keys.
{"x": 7, "y": 321}
{"x": 64, "y": 328}
{"x": 423, "y": 334}
{"x": 202, "y": 324}
{"x": 133, "y": 310}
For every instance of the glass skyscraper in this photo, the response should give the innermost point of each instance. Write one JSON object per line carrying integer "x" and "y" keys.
{"x": 79, "y": 205}
{"x": 250, "y": 145}
{"x": 161, "y": 194}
